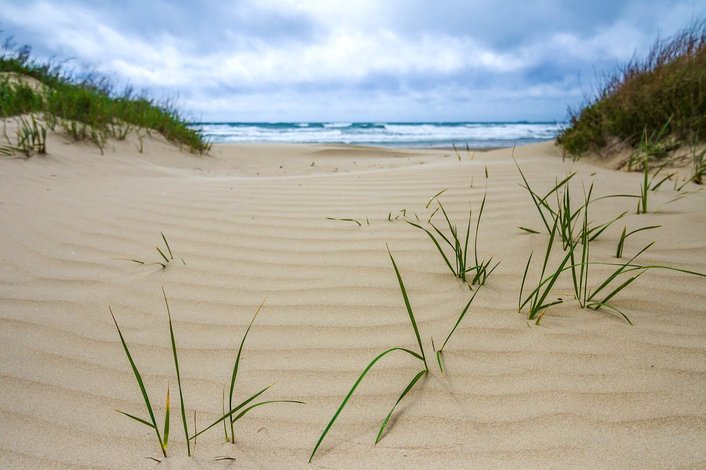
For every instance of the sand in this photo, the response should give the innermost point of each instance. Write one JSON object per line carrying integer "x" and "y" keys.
{"x": 582, "y": 389}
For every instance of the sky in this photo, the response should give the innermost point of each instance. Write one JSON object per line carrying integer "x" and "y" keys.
{"x": 352, "y": 60}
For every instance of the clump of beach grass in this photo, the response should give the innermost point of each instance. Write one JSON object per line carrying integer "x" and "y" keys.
{"x": 238, "y": 411}
{"x": 165, "y": 254}
{"x": 162, "y": 438}
{"x": 30, "y": 138}
{"x": 576, "y": 241}
{"x": 420, "y": 356}
{"x": 641, "y": 96}
{"x": 89, "y": 106}
{"x": 474, "y": 271}
{"x": 233, "y": 414}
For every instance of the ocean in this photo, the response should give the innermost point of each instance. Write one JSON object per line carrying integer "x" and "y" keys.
{"x": 391, "y": 134}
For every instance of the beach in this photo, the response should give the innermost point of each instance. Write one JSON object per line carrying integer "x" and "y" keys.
{"x": 269, "y": 222}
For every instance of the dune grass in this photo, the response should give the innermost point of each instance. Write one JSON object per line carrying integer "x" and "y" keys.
{"x": 30, "y": 138}
{"x": 87, "y": 105}
{"x": 152, "y": 423}
{"x": 439, "y": 352}
{"x": 463, "y": 265}
{"x": 238, "y": 411}
{"x": 417, "y": 355}
{"x": 667, "y": 86}
{"x": 234, "y": 413}
{"x": 165, "y": 254}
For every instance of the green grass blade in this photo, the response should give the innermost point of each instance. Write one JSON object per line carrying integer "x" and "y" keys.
{"x": 166, "y": 243}
{"x": 402, "y": 395}
{"x": 138, "y": 377}
{"x": 436, "y": 243}
{"x": 139, "y": 420}
{"x": 459, "y": 319}
{"x": 475, "y": 239}
{"x": 163, "y": 255}
{"x": 522, "y": 286}
{"x": 596, "y": 231}
{"x": 346, "y": 220}
{"x": 178, "y": 374}
{"x": 234, "y": 374}
{"x": 165, "y": 438}
{"x": 617, "y": 273}
{"x": 431, "y": 199}
{"x": 621, "y": 244}
{"x": 350, "y": 394}
{"x": 223, "y": 411}
{"x": 443, "y": 237}
{"x": 251, "y": 407}
{"x": 409, "y": 308}
{"x": 649, "y": 227}
{"x": 528, "y": 230}
{"x": 464, "y": 253}
{"x": 233, "y": 411}
{"x": 432, "y": 215}
{"x": 611, "y": 307}
{"x": 618, "y": 289}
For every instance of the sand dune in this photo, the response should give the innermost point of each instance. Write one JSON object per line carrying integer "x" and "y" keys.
{"x": 583, "y": 389}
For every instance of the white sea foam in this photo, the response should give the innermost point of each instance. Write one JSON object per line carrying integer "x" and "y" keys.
{"x": 391, "y": 134}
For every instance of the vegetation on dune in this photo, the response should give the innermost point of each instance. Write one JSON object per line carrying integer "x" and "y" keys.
{"x": 86, "y": 105}
{"x": 654, "y": 104}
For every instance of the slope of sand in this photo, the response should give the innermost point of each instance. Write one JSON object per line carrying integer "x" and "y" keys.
{"x": 583, "y": 389}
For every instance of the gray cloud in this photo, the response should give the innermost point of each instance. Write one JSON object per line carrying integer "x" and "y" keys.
{"x": 358, "y": 60}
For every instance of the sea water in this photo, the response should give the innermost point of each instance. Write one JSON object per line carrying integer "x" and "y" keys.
{"x": 393, "y": 134}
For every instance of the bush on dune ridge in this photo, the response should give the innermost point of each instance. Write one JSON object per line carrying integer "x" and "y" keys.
{"x": 660, "y": 100}
{"x": 90, "y": 99}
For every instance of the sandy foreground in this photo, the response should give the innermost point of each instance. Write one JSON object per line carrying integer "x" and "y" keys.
{"x": 583, "y": 389}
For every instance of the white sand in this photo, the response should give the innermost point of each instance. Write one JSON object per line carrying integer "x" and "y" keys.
{"x": 583, "y": 389}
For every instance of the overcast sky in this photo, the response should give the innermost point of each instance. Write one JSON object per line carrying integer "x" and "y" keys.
{"x": 364, "y": 60}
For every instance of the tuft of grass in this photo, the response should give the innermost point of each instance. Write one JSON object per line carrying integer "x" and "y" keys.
{"x": 461, "y": 266}
{"x": 164, "y": 438}
{"x": 417, "y": 355}
{"x": 89, "y": 105}
{"x": 237, "y": 412}
{"x": 165, "y": 254}
{"x": 152, "y": 423}
{"x": 641, "y": 96}
{"x": 538, "y": 299}
{"x": 30, "y": 138}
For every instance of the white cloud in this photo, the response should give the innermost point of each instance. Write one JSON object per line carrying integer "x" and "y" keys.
{"x": 353, "y": 57}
